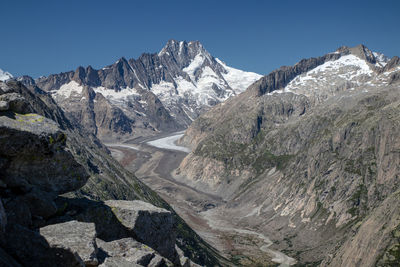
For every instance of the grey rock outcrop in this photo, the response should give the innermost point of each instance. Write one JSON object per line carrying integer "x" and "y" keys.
{"x": 123, "y": 220}
{"x": 185, "y": 261}
{"x": 4, "y": 106}
{"x": 36, "y": 157}
{"x": 133, "y": 252}
{"x": 4, "y": 88}
{"x": 15, "y": 103}
{"x": 118, "y": 262}
{"x": 151, "y": 225}
{"x": 41, "y": 203}
{"x": 29, "y": 248}
{"x": 77, "y": 237}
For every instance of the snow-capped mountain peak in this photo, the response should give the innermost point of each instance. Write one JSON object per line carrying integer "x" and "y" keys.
{"x": 202, "y": 82}
{"x": 165, "y": 90}
{"x": 4, "y": 75}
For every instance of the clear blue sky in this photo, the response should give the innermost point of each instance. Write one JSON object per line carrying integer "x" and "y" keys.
{"x": 44, "y": 37}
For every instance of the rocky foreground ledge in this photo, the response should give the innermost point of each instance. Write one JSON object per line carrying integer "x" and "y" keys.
{"x": 38, "y": 227}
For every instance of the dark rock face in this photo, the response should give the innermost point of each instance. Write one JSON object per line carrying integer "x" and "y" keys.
{"x": 394, "y": 62}
{"x": 29, "y": 248}
{"x": 3, "y": 218}
{"x": 87, "y": 76}
{"x": 7, "y": 260}
{"x": 16, "y": 103}
{"x": 33, "y": 142}
{"x": 27, "y": 80}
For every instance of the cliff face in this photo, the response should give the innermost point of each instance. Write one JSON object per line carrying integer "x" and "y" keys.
{"x": 42, "y": 156}
{"x": 310, "y": 162}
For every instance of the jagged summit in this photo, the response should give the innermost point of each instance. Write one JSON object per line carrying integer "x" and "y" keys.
{"x": 365, "y": 53}
{"x": 183, "y": 50}
{"x": 174, "y": 45}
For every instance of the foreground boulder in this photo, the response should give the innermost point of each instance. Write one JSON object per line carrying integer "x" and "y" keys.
{"x": 151, "y": 225}
{"x": 76, "y": 237}
{"x": 14, "y": 102}
{"x": 117, "y": 262}
{"x": 131, "y": 251}
{"x": 33, "y": 155}
{"x": 135, "y": 230}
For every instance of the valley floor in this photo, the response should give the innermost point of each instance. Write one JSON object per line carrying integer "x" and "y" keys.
{"x": 153, "y": 159}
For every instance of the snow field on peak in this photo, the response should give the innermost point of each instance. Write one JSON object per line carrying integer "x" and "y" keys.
{"x": 117, "y": 95}
{"x": 196, "y": 63}
{"x": 73, "y": 89}
{"x": 237, "y": 79}
{"x": 208, "y": 88}
{"x": 68, "y": 89}
{"x": 4, "y": 75}
{"x": 334, "y": 75}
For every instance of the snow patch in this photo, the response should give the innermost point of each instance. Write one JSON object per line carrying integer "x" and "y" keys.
{"x": 4, "y": 75}
{"x": 111, "y": 94}
{"x": 163, "y": 88}
{"x": 196, "y": 63}
{"x": 238, "y": 80}
{"x": 346, "y": 72}
{"x": 67, "y": 90}
{"x": 205, "y": 87}
{"x": 180, "y": 47}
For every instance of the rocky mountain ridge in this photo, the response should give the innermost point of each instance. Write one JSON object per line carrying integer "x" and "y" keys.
{"x": 311, "y": 160}
{"x": 156, "y": 92}
{"x": 103, "y": 217}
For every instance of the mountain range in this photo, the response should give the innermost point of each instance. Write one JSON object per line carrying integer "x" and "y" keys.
{"x": 308, "y": 154}
{"x": 156, "y": 92}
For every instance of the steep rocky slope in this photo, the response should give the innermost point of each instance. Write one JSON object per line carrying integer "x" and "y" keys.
{"x": 309, "y": 155}
{"x": 156, "y": 92}
{"x": 42, "y": 156}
